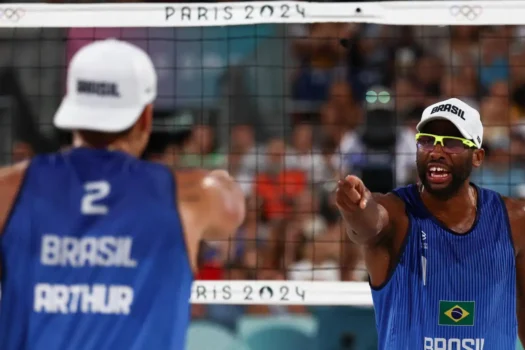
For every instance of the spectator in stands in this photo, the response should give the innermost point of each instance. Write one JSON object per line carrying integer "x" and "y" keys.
{"x": 408, "y": 95}
{"x": 517, "y": 83}
{"x": 332, "y": 127}
{"x": 307, "y": 215}
{"x": 323, "y": 251}
{"x": 405, "y": 167}
{"x": 244, "y": 155}
{"x": 316, "y": 47}
{"x": 406, "y": 50}
{"x": 428, "y": 73}
{"x": 202, "y": 150}
{"x": 340, "y": 117}
{"x": 370, "y": 58}
{"x": 494, "y": 64}
{"x": 459, "y": 86}
{"x": 279, "y": 181}
{"x": 517, "y": 145}
{"x": 308, "y": 157}
{"x": 460, "y": 48}
{"x": 343, "y": 100}
{"x": 254, "y": 232}
{"x": 310, "y": 225}
{"x": 495, "y": 118}
{"x": 499, "y": 172}
{"x": 169, "y": 138}
{"x": 378, "y": 150}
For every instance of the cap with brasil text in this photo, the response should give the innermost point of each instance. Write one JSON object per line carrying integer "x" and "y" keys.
{"x": 464, "y": 117}
{"x": 108, "y": 85}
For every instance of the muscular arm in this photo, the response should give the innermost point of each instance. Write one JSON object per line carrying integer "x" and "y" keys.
{"x": 367, "y": 217}
{"x": 516, "y": 212}
{"x": 377, "y": 222}
{"x": 211, "y": 205}
{"x": 11, "y": 179}
{"x": 369, "y": 225}
{"x": 226, "y": 205}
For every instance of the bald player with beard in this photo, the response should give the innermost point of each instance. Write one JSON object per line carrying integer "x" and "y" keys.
{"x": 445, "y": 257}
{"x": 98, "y": 247}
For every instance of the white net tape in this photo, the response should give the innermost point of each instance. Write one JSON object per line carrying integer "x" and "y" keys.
{"x": 281, "y": 293}
{"x": 257, "y": 12}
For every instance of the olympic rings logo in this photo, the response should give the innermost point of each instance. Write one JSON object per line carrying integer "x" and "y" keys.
{"x": 466, "y": 11}
{"x": 11, "y": 15}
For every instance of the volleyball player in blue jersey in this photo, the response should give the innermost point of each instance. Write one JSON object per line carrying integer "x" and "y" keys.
{"x": 446, "y": 258}
{"x": 98, "y": 246}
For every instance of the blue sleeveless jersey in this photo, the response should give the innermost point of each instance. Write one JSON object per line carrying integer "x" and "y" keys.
{"x": 94, "y": 257}
{"x": 450, "y": 291}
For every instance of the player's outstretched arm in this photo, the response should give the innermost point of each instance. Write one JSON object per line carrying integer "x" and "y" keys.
{"x": 11, "y": 178}
{"x": 367, "y": 216}
{"x": 211, "y": 203}
{"x": 227, "y": 204}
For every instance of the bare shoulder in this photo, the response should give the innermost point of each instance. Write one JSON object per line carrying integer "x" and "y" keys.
{"x": 190, "y": 204}
{"x": 382, "y": 256}
{"x": 189, "y": 185}
{"x": 396, "y": 209}
{"x": 11, "y": 178}
{"x": 515, "y": 207}
{"x": 197, "y": 185}
{"x": 516, "y": 212}
{"x": 212, "y": 193}
{"x": 390, "y": 201}
{"x": 394, "y": 232}
{"x": 12, "y": 172}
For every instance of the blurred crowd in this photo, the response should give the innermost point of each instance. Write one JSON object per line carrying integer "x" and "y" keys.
{"x": 291, "y": 113}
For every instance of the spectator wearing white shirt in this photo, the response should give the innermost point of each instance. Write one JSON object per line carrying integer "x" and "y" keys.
{"x": 308, "y": 157}
{"x": 380, "y": 144}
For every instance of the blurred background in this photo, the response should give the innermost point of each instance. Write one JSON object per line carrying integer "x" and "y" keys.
{"x": 287, "y": 110}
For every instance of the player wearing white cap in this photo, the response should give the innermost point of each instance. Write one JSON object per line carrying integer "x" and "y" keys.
{"x": 445, "y": 257}
{"x": 97, "y": 246}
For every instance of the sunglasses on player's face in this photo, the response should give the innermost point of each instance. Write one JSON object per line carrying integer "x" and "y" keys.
{"x": 449, "y": 144}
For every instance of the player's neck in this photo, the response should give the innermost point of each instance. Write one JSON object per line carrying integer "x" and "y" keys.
{"x": 117, "y": 145}
{"x": 464, "y": 198}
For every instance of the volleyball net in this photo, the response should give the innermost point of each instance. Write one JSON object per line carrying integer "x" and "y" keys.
{"x": 266, "y": 90}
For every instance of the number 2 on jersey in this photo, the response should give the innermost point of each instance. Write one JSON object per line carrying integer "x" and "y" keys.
{"x": 95, "y": 191}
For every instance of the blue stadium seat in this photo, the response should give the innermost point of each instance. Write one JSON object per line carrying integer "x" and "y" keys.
{"x": 280, "y": 338}
{"x": 251, "y": 324}
{"x": 519, "y": 346}
{"x": 206, "y": 335}
{"x": 346, "y": 327}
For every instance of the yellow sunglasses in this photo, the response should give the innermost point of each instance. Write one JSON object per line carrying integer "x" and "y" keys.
{"x": 450, "y": 144}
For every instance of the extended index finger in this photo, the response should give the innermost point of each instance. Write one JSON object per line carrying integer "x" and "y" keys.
{"x": 353, "y": 181}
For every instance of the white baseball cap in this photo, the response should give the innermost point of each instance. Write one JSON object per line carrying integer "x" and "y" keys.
{"x": 464, "y": 117}
{"x": 108, "y": 85}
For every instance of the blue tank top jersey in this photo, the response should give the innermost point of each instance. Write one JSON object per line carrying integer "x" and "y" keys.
{"x": 450, "y": 291}
{"x": 94, "y": 257}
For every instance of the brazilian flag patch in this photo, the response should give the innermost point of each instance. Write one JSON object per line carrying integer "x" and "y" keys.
{"x": 456, "y": 313}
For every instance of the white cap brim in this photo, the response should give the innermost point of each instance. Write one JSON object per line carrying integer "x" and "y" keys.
{"x": 71, "y": 116}
{"x": 454, "y": 121}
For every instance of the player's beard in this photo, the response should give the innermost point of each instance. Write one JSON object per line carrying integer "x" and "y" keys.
{"x": 459, "y": 174}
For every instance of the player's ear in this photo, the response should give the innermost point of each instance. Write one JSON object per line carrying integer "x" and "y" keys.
{"x": 146, "y": 119}
{"x": 477, "y": 157}
{"x": 142, "y": 130}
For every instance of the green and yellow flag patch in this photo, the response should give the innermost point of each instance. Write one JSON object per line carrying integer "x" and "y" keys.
{"x": 456, "y": 313}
